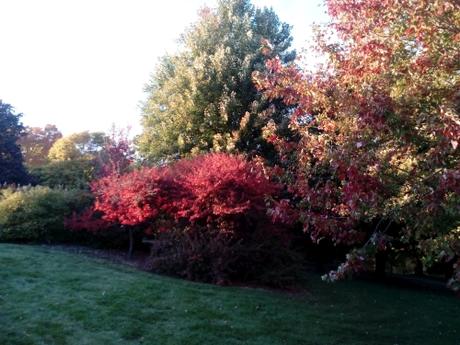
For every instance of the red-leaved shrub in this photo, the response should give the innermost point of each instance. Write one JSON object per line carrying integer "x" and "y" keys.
{"x": 210, "y": 214}
{"x": 222, "y": 191}
{"x": 228, "y": 234}
{"x": 136, "y": 198}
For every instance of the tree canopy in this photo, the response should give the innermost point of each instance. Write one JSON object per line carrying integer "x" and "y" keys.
{"x": 37, "y": 142}
{"x": 375, "y": 163}
{"x": 11, "y": 161}
{"x": 83, "y": 145}
{"x": 75, "y": 160}
{"x": 202, "y": 98}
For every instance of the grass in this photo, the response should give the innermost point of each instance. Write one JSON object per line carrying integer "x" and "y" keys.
{"x": 52, "y": 297}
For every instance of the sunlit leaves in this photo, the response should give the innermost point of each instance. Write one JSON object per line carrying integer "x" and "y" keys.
{"x": 198, "y": 97}
{"x": 381, "y": 139}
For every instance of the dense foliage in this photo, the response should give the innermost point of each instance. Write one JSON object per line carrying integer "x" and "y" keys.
{"x": 362, "y": 153}
{"x": 95, "y": 155}
{"x": 375, "y": 161}
{"x": 202, "y": 99}
{"x": 227, "y": 234}
{"x": 37, "y": 214}
{"x": 77, "y": 173}
{"x": 83, "y": 145}
{"x": 36, "y": 144}
{"x": 11, "y": 161}
{"x": 209, "y": 214}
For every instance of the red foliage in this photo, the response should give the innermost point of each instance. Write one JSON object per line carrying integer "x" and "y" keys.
{"x": 376, "y": 126}
{"x": 223, "y": 191}
{"x": 135, "y": 198}
{"x": 117, "y": 153}
{"x": 212, "y": 190}
{"x": 212, "y": 210}
{"x": 88, "y": 220}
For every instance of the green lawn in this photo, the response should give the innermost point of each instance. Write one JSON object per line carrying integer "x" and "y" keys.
{"x": 52, "y": 297}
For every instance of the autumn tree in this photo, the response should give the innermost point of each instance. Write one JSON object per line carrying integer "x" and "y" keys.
{"x": 375, "y": 163}
{"x": 76, "y": 160}
{"x": 117, "y": 153}
{"x": 72, "y": 162}
{"x": 11, "y": 161}
{"x": 202, "y": 98}
{"x": 37, "y": 142}
{"x": 83, "y": 145}
{"x": 207, "y": 214}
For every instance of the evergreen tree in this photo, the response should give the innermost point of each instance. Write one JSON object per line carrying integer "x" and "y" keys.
{"x": 11, "y": 161}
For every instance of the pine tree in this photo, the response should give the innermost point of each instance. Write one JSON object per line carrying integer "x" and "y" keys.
{"x": 11, "y": 161}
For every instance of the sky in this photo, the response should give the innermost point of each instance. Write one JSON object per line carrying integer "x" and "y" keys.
{"x": 83, "y": 64}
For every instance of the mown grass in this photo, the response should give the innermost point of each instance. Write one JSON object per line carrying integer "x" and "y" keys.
{"x": 52, "y": 297}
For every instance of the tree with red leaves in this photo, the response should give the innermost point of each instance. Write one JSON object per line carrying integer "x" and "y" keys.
{"x": 133, "y": 200}
{"x": 117, "y": 153}
{"x": 222, "y": 191}
{"x": 212, "y": 207}
{"x": 213, "y": 190}
{"x": 377, "y": 131}
{"x": 226, "y": 233}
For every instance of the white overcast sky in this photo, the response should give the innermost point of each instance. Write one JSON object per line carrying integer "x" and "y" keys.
{"x": 83, "y": 64}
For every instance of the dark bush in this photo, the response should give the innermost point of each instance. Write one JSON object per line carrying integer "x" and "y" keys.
{"x": 211, "y": 256}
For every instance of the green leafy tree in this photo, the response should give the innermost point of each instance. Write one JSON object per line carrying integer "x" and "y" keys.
{"x": 11, "y": 161}
{"x": 72, "y": 160}
{"x": 75, "y": 174}
{"x": 202, "y": 98}
{"x": 77, "y": 159}
{"x": 37, "y": 142}
{"x": 83, "y": 145}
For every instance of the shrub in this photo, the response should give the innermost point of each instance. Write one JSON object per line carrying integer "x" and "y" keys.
{"x": 229, "y": 236}
{"x": 209, "y": 213}
{"x": 36, "y": 214}
{"x": 208, "y": 255}
{"x": 224, "y": 192}
{"x": 69, "y": 174}
{"x": 130, "y": 203}
{"x": 137, "y": 198}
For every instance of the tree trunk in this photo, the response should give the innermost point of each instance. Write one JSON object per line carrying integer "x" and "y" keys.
{"x": 418, "y": 268}
{"x": 131, "y": 243}
{"x": 380, "y": 264}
